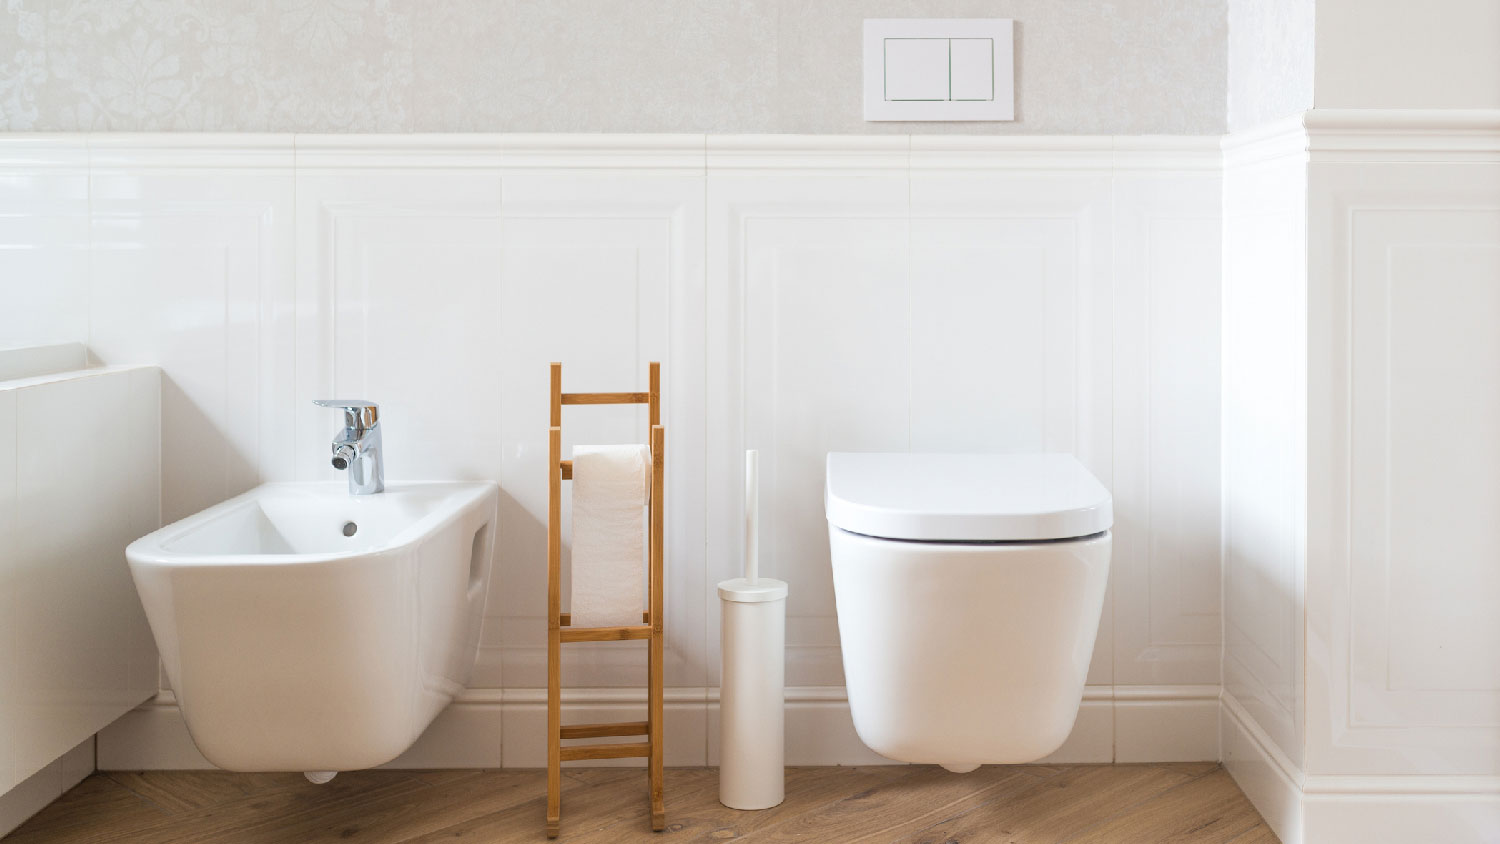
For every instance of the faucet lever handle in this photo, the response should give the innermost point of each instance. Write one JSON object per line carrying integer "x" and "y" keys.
{"x": 359, "y": 414}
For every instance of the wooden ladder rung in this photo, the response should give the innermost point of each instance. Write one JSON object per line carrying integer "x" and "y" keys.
{"x": 606, "y": 751}
{"x": 606, "y": 398}
{"x": 624, "y": 728}
{"x": 566, "y": 618}
{"x": 606, "y": 634}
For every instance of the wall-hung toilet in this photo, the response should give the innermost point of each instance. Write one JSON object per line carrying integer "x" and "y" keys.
{"x": 969, "y": 589}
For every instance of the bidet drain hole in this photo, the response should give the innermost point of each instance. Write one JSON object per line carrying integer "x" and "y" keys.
{"x": 350, "y": 528}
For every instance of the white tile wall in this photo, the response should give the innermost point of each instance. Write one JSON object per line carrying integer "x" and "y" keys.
{"x": 191, "y": 271}
{"x": 44, "y": 219}
{"x": 803, "y": 294}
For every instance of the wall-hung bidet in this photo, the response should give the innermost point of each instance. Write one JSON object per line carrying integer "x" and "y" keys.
{"x": 969, "y": 589}
{"x": 307, "y": 629}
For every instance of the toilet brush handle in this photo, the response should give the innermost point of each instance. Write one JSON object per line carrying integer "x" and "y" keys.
{"x": 752, "y": 515}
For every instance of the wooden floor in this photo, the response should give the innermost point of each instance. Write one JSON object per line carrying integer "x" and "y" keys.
{"x": 910, "y": 804}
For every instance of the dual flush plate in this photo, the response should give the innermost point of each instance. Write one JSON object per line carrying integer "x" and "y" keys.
{"x": 939, "y": 69}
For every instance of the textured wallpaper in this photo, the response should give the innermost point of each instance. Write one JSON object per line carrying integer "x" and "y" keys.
{"x": 1270, "y": 60}
{"x": 1083, "y": 66}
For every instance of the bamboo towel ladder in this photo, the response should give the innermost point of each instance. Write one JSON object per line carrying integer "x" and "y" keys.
{"x": 559, "y": 624}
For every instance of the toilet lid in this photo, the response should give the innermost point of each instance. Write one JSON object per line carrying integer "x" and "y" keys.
{"x": 965, "y": 497}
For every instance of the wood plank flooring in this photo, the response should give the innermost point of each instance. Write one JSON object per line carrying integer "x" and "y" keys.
{"x": 916, "y": 804}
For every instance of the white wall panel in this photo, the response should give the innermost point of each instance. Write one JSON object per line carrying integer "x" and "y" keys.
{"x": 397, "y": 302}
{"x": 430, "y": 295}
{"x": 44, "y": 237}
{"x": 1403, "y": 676}
{"x": 1011, "y": 297}
{"x": 1264, "y": 441}
{"x": 991, "y": 328}
{"x": 192, "y": 272}
{"x": 808, "y": 279}
{"x": 603, "y": 273}
{"x": 1166, "y": 428}
{"x": 1362, "y": 288}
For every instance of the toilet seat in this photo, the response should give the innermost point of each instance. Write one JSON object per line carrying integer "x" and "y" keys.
{"x": 965, "y": 497}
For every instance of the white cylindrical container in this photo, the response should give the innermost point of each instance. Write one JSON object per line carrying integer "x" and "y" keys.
{"x": 752, "y": 693}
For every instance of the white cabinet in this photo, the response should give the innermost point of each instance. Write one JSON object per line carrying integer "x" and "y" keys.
{"x": 79, "y": 479}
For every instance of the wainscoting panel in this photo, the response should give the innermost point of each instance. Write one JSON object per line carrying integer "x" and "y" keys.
{"x": 1024, "y": 365}
{"x": 191, "y": 270}
{"x": 1166, "y": 427}
{"x": 44, "y": 239}
{"x": 804, "y": 294}
{"x": 1402, "y": 674}
{"x": 1362, "y": 288}
{"x": 1264, "y": 442}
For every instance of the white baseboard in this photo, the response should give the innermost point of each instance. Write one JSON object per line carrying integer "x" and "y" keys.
{"x": 1166, "y": 723}
{"x": 33, "y": 793}
{"x": 1369, "y": 809}
{"x": 489, "y": 728}
{"x": 1387, "y": 818}
{"x": 1262, "y": 771}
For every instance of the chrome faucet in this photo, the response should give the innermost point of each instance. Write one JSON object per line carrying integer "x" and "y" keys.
{"x": 357, "y": 447}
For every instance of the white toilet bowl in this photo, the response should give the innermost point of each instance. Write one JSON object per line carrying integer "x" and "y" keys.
{"x": 969, "y": 589}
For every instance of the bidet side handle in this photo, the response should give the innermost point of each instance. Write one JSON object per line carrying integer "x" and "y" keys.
{"x": 359, "y": 414}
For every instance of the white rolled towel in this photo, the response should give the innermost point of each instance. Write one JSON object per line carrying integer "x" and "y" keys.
{"x": 611, "y": 484}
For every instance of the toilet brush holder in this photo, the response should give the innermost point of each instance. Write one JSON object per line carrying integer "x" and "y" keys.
{"x": 752, "y": 693}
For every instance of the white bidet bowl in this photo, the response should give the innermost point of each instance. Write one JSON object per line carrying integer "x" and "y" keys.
{"x": 307, "y": 629}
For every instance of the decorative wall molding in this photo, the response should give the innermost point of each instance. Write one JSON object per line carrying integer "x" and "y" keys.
{"x": 1371, "y": 136}
{"x": 177, "y": 151}
{"x": 687, "y": 154}
{"x": 672, "y": 153}
{"x": 1403, "y": 135}
{"x": 1334, "y": 134}
{"x": 1263, "y": 144}
{"x": 808, "y": 152}
{"x": 44, "y": 153}
{"x": 1168, "y": 153}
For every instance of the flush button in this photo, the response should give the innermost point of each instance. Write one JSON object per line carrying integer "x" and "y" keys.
{"x": 972, "y": 63}
{"x": 916, "y": 69}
